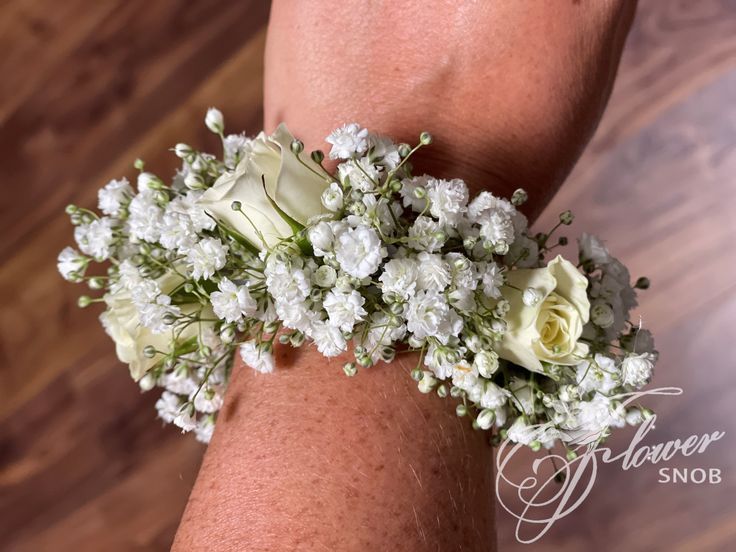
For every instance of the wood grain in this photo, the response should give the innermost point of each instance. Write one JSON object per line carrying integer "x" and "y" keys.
{"x": 90, "y": 86}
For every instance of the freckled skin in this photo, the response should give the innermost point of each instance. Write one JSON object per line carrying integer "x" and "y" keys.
{"x": 307, "y": 458}
{"x": 312, "y": 458}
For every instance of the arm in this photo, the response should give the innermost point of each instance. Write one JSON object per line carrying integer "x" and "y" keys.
{"x": 306, "y": 458}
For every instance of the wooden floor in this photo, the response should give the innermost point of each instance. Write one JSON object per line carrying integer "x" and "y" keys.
{"x": 89, "y": 86}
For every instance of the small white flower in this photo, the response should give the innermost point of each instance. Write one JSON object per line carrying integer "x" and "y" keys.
{"x": 497, "y": 228}
{"x": 185, "y": 420}
{"x": 596, "y": 415}
{"x": 204, "y": 430}
{"x": 434, "y": 272}
{"x": 208, "y": 399}
{"x": 147, "y": 182}
{"x": 177, "y": 229}
{"x": 96, "y": 238}
{"x": 258, "y": 359}
{"x": 492, "y": 279}
{"x": 323, "y": 234}
{"x": 448, "y": 200}
{"x": 214, "y": 120}
{"x": 409, "y": 194}
{"x": 71, "y": 264}
{"x": 145, "y": 217}
{"x": 602, "y": 375}
{"x": 328, "y": 339}
{"x": 345, "y": 309}
{"x": 383, "y": 149}
{"x": 429, "y": 315}
{"x": 206, "y": 257}
{"x": 493, "y": 397}
{"x": 399, "y": 277}
{"x": 168, "y": 406}
{"x": 112, "y": 197}
{"x": 359, "y": 251}
{"x": 347, "y": 141}
{"x": 485, "y": 203}
{"x": 294, "y": 314}
{"x": 464, "y": 375}
{"x": 234, "y": 147}
{"x": 285, "y": 282}
{"x": 486, "y": 362}
{"x": 426, "y": 234}
{"x": 153, "y": 314}
{"x": 232, "y": 301}
{"x": 332, "y": 197}
{"x": 637, "y": 369}
{"x": 427, "y": 383}
{"x": 361, "y": 174}
{"x": 521, "y": 432}
{"x": 593, "y": 249}
{"x": 179, "y": 382}
{"x": 383, "y": 332}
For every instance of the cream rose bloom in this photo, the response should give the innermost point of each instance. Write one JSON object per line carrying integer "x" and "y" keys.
{"x": 122, "y": 324}
{"x": 295, "y": 189}
{"x": 550, "y": 329}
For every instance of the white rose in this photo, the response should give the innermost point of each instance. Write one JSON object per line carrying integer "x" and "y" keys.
{"x": 549, "y": 330}
{"x": 122, "y": 323}
{"x": 294, "y": 188}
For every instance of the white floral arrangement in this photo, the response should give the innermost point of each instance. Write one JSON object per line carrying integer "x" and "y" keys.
{"x": 370, "y": 261}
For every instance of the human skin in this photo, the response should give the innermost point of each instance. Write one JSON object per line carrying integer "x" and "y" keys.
{"x": 306, "y": 458}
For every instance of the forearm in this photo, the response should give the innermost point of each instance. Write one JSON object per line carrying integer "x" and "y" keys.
{"x": 511, "y": 91}
{"x": 307, "y": 458}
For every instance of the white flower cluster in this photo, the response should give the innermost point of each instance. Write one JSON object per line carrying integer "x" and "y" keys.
{"x": 388, "y": 262}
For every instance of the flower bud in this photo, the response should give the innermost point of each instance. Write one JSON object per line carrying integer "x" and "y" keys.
{"x": 194, "y": 182}
{"x": 425, "y": 138}
{"x": 96, "y": 283}
{"x": 486, "y": 418}
{"x": 227, "y": 334}
{"x": 317, "y": 156}
{"x": 71, "y": 209}
{"x": 404, "y": 150}
{"x": 325, "y": 276}
{"x": 566, "y": 217}
{"x": 461, "y": 410}
{"x": 601, "y": 314}
{"x": 297, "y": 146}
{"x": 427, "y": 382}
{"x": 214, "y": 120}
{"x": 149, "y": 351}
{"x": 519, "y": 197}
{"x": 147, "y": 382}
{"x": 442, "y": 391}
{"x": 169, "y": 318}
{"x": 642, "y": 283}
{"x": 350, "y": 369}
{"x": 84, "y": 301}
{"x": 182, "y": 150}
